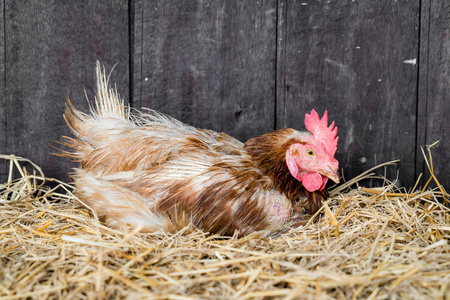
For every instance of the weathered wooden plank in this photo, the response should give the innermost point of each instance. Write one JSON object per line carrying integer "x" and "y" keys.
{"x": 51, "y": 49}
{"x": 351, "y": 58}
{"x": 434, "y": 88}
{"x": 3, "y": 136}
{"x": 208, "y": 63}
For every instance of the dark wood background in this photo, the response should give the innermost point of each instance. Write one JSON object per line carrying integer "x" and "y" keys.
{"x": 380, "y": 67}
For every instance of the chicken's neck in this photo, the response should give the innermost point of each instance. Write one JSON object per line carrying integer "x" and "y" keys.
{"x": 269, "y": 153}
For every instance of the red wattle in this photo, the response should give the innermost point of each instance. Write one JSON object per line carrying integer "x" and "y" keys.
{"x": 312, "y": 181}
{"x": 324, "y": 182}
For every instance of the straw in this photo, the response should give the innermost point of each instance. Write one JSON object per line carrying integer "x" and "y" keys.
{"x": 365, "y": 243}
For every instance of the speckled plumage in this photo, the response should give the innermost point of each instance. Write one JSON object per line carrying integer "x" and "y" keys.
{"x": 145, "y": 168}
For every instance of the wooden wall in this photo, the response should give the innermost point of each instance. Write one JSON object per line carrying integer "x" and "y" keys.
{"x": 49, "y": 53}
{"x": 381, "y": 68}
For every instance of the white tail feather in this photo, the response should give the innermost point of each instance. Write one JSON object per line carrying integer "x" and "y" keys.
{"x": 107, "y": 101}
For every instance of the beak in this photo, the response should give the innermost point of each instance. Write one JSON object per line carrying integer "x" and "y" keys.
{"x": 333, "y": 176}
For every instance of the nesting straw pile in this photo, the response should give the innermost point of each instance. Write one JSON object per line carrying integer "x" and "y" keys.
{"x": 378, "y": 243}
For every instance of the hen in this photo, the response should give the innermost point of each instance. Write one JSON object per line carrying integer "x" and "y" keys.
{"x": 148, "y": 169}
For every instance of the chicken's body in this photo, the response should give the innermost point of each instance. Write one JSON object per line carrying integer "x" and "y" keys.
{"x": 153, "y": 171}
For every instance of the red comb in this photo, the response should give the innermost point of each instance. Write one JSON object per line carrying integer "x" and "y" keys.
{"x": 321, "y": 131}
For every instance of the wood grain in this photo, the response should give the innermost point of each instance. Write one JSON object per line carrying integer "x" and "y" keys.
{"x": 210, "y": 64}
{"x": 348, "y": 57}
{"x": 51, "y": 49}
{"x": 3, "y": 112}
{"x": 434, "y": 88}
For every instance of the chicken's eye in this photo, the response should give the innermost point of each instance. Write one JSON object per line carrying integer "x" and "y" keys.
{"x": 309, "y": 152}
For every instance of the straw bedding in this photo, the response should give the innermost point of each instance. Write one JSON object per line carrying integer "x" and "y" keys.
{"x": 365, "y": 243}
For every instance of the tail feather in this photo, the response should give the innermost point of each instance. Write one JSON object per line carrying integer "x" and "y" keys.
{"x": 111, "y": 139}
{"x": 107, "y": 101}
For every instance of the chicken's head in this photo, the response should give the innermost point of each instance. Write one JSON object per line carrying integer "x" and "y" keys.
{"x": 312, "y": 161}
